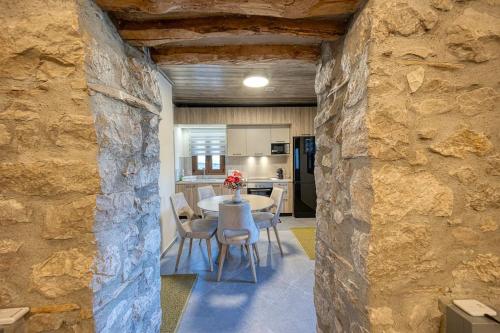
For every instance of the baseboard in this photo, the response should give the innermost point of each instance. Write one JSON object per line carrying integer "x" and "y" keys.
{"x": 168, "y": 247}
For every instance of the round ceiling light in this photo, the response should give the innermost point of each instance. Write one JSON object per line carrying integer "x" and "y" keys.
{"x": 255, "y": 81}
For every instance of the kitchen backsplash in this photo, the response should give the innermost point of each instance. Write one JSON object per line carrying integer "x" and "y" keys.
{"x": 252, "y": 167}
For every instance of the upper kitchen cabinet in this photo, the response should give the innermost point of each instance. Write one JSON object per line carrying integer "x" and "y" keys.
{"x": 237, "y": 142}
{"x": 258, "y": 141}
{"x": 303, "y": 123}
{"x": 280, "y": 135}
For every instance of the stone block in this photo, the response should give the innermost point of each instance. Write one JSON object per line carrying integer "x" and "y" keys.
{"x": 73, "y": 131}
{"x": 63, "y": 273}
{"x": 13, "y": 211}
{"x": 119, "y": 131}
{"x": 44, "y": 322}
{"x": 407, "y": 18}
{"x": 358, "y": 78}
{"x": 69, "y": 220}
{"x": 427, "y": 133}
{"x": 114, "y": 208}
{"x": 434, "y": 106}
{"x": 388, "y": 130}
{"x": 361, "y": 194}
{"x": 9, "y": 246}
{"x": 444, "y": 5}
{"x": 464, "y": 174}
{"x": 481, "y": 100}
{"x": 484, "y": 267}
{"x": 462, "y": 141}
{"x": 9, "y": 293}
{"x": 415, "y": 79}
{"x": 399, "y": 191}
{"x": 49, "y": 177}
{"x": 489, "y": 225}
{"x": 469, "y": 33}
{"x": 483, "y": 196}
{"x": 354, "y": 131}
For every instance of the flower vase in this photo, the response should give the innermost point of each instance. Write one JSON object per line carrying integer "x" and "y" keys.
{"x": 237, "y": 196}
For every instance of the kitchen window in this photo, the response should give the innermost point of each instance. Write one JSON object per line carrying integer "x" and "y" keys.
{"x": 208, "y": 149}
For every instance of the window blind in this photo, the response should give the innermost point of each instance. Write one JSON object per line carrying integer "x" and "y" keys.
{"x": 207, "y": 141}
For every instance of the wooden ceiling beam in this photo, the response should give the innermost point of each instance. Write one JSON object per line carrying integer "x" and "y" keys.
{"x": 235, "y": 54}
{"x": 160, "y": 32}
{"x": 275, "y": 8}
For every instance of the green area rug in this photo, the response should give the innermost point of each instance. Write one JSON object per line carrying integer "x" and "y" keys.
{"x": 307, "y": 238}
{"x": 175, "y": 292}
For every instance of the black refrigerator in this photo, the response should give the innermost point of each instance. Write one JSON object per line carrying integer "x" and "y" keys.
{"x": 304, "y": 188}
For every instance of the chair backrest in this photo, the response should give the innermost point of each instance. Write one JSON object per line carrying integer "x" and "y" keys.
{"x": 236, "y": 217}
{"x": 205, "y": 192}
{"x": 277, "y": 196}
{"x": 181, "y": 207}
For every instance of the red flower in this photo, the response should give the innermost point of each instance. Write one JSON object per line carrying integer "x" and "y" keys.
{"x": 234, "y": 181}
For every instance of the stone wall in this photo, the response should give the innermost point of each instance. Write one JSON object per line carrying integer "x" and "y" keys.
{"x": 126, "y": 283}
{"x": 79, "y": 204}
{"x": 49, "y": 176}
{"x": 433, "y": 127}
{"x": 430, "y": 131}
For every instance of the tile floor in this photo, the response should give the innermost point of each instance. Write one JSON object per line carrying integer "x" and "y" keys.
{"x": 281, "y": 301}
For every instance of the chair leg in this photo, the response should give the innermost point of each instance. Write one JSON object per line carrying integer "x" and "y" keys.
{"x": 268, "y": 235}
{"x": 190, "y": 245}
{"x": 222, "y": 257}
{"x": 219, "y": 246}
{"x": 256, "y": 250}
{"x": 179, "y": 253}
{"x": 252, "y": 263}
{"x": 278, "y": 238}
{"x": 209, "y": 251}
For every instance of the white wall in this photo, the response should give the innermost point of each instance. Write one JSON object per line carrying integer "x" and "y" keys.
{"x": 167, "y": 164}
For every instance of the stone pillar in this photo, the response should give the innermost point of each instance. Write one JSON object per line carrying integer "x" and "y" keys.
{"x": 414, "y": 172}
{"x": 79, "y": 165}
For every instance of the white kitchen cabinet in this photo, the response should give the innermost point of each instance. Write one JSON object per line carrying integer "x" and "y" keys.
{"x": 237, "y": 142}
{"x": 280, "y": 135}
{"x": 258, "y": 141}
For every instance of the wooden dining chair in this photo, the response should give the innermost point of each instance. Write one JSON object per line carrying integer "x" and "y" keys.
{"x": 191, "y": 228}
{"x": 236, "y": 226}
{"x": 271, "y": 219}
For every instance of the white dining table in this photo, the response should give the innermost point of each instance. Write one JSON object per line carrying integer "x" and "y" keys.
{"x": 257, "y": 202}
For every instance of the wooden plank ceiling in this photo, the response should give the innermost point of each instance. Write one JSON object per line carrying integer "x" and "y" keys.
{"x": 208, "y": 47}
